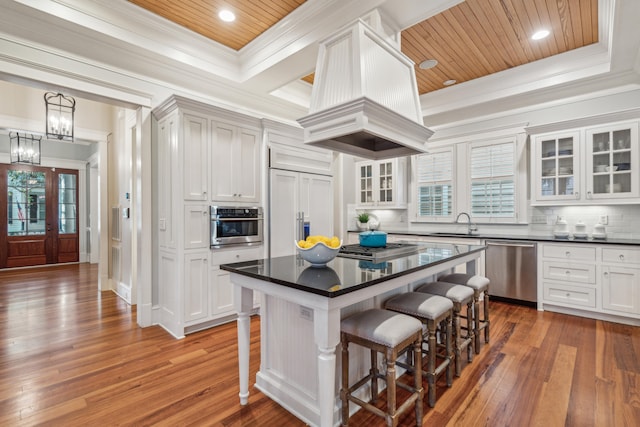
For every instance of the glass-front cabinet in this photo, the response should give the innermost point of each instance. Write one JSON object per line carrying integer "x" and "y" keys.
{"x": 597, "y": 164}
{"x": 612, "y": 168}
{"x": 381, "y": 183}
{"x": 556, "y": 166}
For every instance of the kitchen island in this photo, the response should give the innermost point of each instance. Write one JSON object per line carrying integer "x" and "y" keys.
{"x": 301, "y": 309}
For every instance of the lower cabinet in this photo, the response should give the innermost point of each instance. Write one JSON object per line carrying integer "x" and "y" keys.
{"x": 208, "y": 292}
{"x": 594, "y": 280}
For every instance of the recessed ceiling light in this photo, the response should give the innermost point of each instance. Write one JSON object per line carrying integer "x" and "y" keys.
{"x": 449, "y": 82}
{"x": 227, "y": 15}
{"x": 429, "y": 63}
{"x": 540, "y": 34}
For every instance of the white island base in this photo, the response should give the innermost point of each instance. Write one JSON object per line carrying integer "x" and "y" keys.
{"x": 300, "y": 331}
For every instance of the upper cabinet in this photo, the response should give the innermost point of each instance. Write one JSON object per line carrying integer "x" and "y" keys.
{"x": 612, "y": 166}
{"x": 196, "y": 142}
{"x": 235, "y": 163}
{"x": 597, "y": 164}
{"x": 556, "y": 167}
{"x": 382, "y": 183}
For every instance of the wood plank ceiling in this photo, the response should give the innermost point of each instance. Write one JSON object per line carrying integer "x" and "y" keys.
{"x": 471, "y": 40}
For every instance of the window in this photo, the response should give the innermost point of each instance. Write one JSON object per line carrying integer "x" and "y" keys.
{"x": 435, "y": 185}
{"x": 493, "y": 190}
{"x": 26, "y": 206}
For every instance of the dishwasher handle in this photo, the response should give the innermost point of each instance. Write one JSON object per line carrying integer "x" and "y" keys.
{"x": 511, "y": 244}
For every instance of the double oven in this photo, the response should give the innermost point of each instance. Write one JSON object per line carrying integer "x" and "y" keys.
{"x": 233, "y": 225}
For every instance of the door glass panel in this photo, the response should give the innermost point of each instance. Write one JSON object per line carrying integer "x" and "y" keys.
{"x": 67, "y": 204}
{"x": 26, "y": 210}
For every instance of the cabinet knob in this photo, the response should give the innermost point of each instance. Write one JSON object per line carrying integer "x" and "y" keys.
{"x": 577, "y": 194}
{"x": 568, "y": 273}
{"x": 588, "y": 194}
{"x": 606, "y": 274}
{"x": 621, "y": 257}
{"x": 568, "y": 254}
{"x": 568, "y": 294}
{"x": 235, "y": 194}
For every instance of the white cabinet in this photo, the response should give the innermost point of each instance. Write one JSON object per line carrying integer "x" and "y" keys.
{"x": 220, "y": 286}
{"x": 598, "y": 164}
{"x": 195, "y": 140}
{"x": 556, "y": 167}
{"x": 621, "y": 280}
{"x": 612, "y": 162}
{"x": 196, "y": 226}
{"x": 599, "y": 280}
{"x": 382, "y": 183}
{"x": 205, "y": 155}
{"x": 235, "y": 163}
{"x": 196, "y": 287}
{"x": 298, "y": 198}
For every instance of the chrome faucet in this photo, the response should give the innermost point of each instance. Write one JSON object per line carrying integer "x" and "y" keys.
{"x": 471, "y": 227}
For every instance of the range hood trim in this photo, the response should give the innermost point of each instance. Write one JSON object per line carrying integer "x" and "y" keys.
{"x": 362, "y": 116}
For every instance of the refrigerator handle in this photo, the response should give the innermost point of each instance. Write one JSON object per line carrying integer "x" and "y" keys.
{"x": 300, "y": 224}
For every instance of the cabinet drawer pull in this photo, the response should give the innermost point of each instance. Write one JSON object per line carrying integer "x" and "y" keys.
{"x": 568, "y": 273}
{"x": 568, "y": 294}
{"x": 621, "y": 257}
{"x": 568, "y": 254}
{"x": 606, "y": 274}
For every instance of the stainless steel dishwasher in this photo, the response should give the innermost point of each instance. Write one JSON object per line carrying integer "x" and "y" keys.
{"x": 512, "y": 268}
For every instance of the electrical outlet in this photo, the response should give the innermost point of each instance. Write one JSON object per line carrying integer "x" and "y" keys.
{"x": 306, "y": 312}
{"x": 604, "y": 219}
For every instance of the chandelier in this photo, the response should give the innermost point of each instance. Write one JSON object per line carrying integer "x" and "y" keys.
{"x": 60, "y": 110}
{"x": 25, "y": 148}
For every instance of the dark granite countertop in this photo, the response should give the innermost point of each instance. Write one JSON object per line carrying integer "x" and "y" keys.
{"x": 497, "y": 236}
{"x": 344, "y": 275}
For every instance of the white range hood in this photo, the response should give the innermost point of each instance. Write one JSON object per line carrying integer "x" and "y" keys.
{"x": 365, "y": 100}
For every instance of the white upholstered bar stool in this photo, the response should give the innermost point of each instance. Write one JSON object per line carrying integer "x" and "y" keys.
{"x": 390, "y": 333}
{"x": 480, "y": 285}
{"x": 460, "y": 296}
{"x": 431, "y": 310}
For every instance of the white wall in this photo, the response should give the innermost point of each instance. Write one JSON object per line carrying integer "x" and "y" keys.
{"x": 620, "y": 218}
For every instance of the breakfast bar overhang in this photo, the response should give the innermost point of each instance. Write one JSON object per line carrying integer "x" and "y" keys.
{"x": 301, "y": 309}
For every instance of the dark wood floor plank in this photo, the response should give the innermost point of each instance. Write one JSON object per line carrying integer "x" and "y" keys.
{"x": 74, "y": 356}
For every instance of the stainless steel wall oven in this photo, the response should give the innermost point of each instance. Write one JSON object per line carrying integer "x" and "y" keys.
{"x": 234, "y": 225}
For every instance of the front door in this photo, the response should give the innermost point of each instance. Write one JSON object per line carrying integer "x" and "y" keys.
{"x": 40, "y": 223}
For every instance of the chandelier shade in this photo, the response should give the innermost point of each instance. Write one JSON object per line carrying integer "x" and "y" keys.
{"x": 60, "y": 111}
{"x": 25, "y": 148}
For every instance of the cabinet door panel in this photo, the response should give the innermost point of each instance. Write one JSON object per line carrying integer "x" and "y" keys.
{"x": 196, "y": 287}
{"x": 316, "y": 201}
{"x": 196, "y": 227}
{"x": 222, "y": 162}
{"x": 196, "y": 142}
{"x": 284, "y": 206}
{"x": 247, "y": 166}
{"x": 620, "y": 291}
{"x": 222, "y": 293}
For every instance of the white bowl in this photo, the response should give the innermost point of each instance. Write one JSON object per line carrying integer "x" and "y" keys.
{"x": 318, "y": 255}
{"x": 601, "y": 168}
{"x": 611, "y": 168}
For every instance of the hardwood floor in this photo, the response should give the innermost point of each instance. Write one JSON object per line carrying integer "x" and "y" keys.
{"x": 74, "y": 356}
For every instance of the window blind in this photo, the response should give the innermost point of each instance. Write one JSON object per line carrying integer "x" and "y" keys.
{"x": 493, "y": 181}
{"x": 435, "y": 186}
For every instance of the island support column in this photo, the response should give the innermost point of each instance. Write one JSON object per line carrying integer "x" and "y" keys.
{"x": 326, "y": 329}
{"x": 243, "y": 301}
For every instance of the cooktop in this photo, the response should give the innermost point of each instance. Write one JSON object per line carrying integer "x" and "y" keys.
{"x": 391, "y": 250}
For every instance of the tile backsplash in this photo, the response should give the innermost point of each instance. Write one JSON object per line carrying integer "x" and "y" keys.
{"x": 623, "y": 221}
